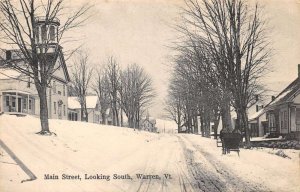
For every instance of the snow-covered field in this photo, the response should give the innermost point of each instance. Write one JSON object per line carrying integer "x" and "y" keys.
{"x": 85, "y": 149}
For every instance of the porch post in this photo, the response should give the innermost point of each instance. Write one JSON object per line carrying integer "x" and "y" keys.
{"x": 1, "y": 102}
{"x": 28, "y": 103}
{"x": 17, "y": 103}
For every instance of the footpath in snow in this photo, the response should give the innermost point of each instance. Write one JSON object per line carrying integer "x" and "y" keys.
{"x": 107, "y": 158}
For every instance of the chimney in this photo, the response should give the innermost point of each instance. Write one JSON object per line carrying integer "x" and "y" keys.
{"x": 8, "y": 55}
{"x": 273, "y": 98}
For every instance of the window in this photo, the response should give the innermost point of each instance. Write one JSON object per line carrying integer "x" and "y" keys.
{"x": 24, "y": 103}
{"x": 38, "y": 34}
{"x": 64, "y": 89}
{"x": 59, "y": 92}
{"x": 7, "y": 100}
{"x": 44, "y": 33}
{"x": 28, "y": 83}
{"x": 281, "y": 120}
{"x": 13, "y": 102}
{"x": 54, "y": 87}
{"x": 52, "y": 33}
{"x": 30, "y": 104}
{"x": 285, "y": 120}
{"x": 54, "y": 107}
{"x": 297, "y": 119}
{"x": 64, "y": 110}
{"x": 271, "y": 121}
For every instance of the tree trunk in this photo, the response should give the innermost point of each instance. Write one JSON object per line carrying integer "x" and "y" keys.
{"x": 179, "y": 119}
{"x": 226, "y": 116}
{"x": 103, "y": 118}
{"x": 244, "y": 121}
{"x": 202, "y": 125}
{"x": 117, "y": 115}
{"x": 121, "y": 114}
{"x": 81, "y": 113}
{"x": 207, "y": 123}
{"x": 195, "y": 125}
{"x": 216, "y": 125}
{"x": 42, "y": 91}
{"x": 113, "y": 114}
{"x": 86, "y": 114}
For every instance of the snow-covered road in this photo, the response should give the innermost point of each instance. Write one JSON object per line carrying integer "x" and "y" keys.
{"x": 105, "y": 158}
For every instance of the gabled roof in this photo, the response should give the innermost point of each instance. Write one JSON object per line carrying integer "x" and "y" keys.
{"x": 63, "y": 64}
{"x": 6, "y": 73}
{"x": 91, "y": 102}
{"x": 288, "y": 94}
{"x": 256, "y": 114}
{"x": 150, "y": 120}
{"x": 60, "y": 56}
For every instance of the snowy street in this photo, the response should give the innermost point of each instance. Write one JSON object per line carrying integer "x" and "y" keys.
{"x": 168, "y": 162}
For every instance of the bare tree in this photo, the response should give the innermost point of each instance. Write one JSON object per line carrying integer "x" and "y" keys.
{"x": 112, "y": 70}
{"x": 82, "y": 74}
{"x": 174, "y": 103}
{"x": 101, "y": 87}
{"x": 137, "y": 93}
{"x": 19, "y": 27}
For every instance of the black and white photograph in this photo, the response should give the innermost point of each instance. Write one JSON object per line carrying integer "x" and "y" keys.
{"x": 150, "y": 95}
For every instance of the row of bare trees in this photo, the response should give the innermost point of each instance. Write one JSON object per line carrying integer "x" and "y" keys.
{"x": 127, "y": 91}
{"x": 222, "y": 54}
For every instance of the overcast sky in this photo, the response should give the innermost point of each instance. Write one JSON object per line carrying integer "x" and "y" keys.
{"x": 137, "y": 31}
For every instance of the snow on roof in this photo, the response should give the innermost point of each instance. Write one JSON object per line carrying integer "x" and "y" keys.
{"x": 279, "y": 97}
{"x": 256, "y": 114}
{"x": 91, "y": 102}
{"x": 8, "y": 73}
{"x": 73, "y": 103}
{"x": 286, "y": 94}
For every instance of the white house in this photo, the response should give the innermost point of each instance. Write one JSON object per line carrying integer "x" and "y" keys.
{"x": 18, "y": 94}
{"x": 283, "y": 112}
{"x": 258, "y": 123}
{"x": 148, "y": 124}
{"x": 93, "y": 108}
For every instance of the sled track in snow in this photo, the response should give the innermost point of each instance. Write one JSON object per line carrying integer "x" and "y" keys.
{"x": 150, "y": 184}
{"x": 203, "y": 179}
{"x": 216, "y": 180}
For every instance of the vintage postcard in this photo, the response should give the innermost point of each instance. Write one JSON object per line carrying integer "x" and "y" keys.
{"x": 149, "y": 95}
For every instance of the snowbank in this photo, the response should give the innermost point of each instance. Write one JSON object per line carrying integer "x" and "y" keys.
{"x": 79, "y": 148}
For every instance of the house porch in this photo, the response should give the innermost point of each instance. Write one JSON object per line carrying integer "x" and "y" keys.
{"x": 17, "y": 102}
